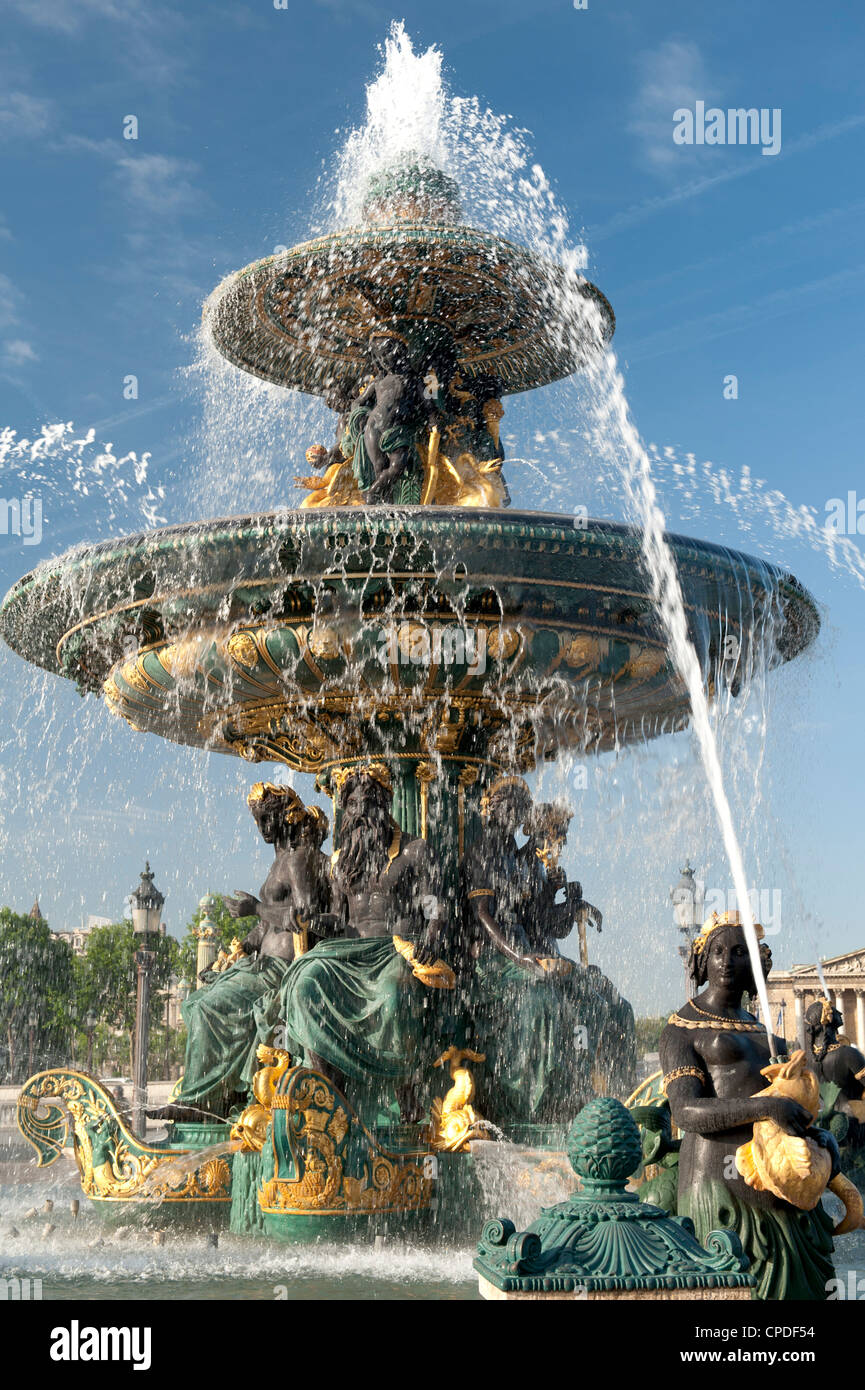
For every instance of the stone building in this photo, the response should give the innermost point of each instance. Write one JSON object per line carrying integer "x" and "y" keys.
{"x": 791, "y": 991}
{"x": 77, "y": 936}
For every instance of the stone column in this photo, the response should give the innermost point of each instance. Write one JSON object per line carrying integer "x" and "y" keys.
{"x": 800, "y": 1018}
{"x": 839, "y": 1005}
{"x": 206, "y": 936}
{"x": 860, "y": 1018}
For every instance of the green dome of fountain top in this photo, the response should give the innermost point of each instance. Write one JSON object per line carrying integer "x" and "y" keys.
{"x": 303, "y": 318}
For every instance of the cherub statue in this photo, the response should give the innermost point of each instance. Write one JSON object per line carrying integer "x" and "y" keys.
{"x": 337, "y": 486}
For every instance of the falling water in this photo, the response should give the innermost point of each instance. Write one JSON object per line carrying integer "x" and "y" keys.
{"x": 253, "y": 439}
{"x": 617, "y": 429}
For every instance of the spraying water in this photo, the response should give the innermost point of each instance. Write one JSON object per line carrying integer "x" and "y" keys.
{"x": 410, "y": 113}
{"x": 616, "y": 425}
{"x": 822, "y": 978}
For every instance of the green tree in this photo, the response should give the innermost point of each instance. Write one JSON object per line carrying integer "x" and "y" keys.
{"x": 227, "y": 928}
{"x": 108, "y": 978}
{"x": 36, "y": 976}
{"x": 649, "y": 1032}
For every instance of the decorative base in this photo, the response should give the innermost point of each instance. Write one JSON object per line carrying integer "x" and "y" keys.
{"x": 323, "y": 1172}
{"x": 488, "y": 1290}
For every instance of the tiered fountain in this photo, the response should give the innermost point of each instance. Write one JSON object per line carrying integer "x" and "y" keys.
{"x": 404, "y": 613}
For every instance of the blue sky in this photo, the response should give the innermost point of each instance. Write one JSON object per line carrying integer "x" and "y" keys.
{"x": 718, "y": 261}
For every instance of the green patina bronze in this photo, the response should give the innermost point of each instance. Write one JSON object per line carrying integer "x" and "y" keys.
{"x": 323, "y": 1171}
{"x": 221, "y": 1022}
{"x": 302, "y": 318}
{"x": 558, "y": 615}
{"x": 790, "y": 1250}
{"x": 603, "y": 1239}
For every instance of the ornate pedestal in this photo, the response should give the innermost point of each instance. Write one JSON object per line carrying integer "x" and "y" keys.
{"x": 603, "y": 1242}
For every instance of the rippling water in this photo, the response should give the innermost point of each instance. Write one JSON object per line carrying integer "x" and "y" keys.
{"x": 85, "y": 1258}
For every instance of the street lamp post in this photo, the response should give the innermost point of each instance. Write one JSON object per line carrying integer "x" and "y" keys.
{"x": 90, "y": 1028}
{"x": 687, "y": 900}
{"x": 147, "y": 904}
{"x": 33, "y": 1023}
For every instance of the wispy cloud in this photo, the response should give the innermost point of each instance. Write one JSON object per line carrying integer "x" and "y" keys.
{"x": 10, "y": 302}
{"x": 153, "y": 33}
{"x": 17, "y": 352}
{"x": 801, "y": 231}
{"x": 70, "y": 15}
{"x": 737, "y": 317}
{"x": 23, "y": 116}
{"x": 159, "y": 184}
{"x": 671, "y": 76}
{"x": 649, "y": 207}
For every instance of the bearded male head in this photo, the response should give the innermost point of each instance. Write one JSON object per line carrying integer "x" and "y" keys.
{"x": 366, "y": 828}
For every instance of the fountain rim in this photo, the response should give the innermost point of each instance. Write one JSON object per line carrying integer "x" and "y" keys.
{"x": 270, "y": 522}
{"x": 108, "y": 570}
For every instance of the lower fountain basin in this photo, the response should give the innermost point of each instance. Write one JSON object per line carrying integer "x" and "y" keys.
{"x": 309, "y": 638}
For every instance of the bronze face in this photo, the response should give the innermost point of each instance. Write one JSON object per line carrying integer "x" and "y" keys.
{"x": 728, "y": 964}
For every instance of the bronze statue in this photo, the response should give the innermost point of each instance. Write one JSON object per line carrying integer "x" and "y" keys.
{"x": 534, "y": 1012}
{"x": 840, "y": 1068}
{"x": 547, "y": 832}
{"x": 388, "y": 417}
{"x": 297, "y": 886}
{"x": 716, "y": 1058}
{"x": 838, "y": 1064}
{"x": 358, "y": 1009}
{"x": 225, "y": 1017}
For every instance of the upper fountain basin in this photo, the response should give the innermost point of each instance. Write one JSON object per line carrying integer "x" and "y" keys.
{"x": 460, "y": 297}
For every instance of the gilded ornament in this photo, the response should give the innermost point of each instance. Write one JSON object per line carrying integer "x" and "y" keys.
{"x": 437, "y": 975}
{"x": 503, "y": 642}
{"x": 112, "y": 1163}
{"x": 454, "y": 1122}
{"x": 731, "y": 918}
{"x": 248, "y": 1132}
{"x": 328, "y": 1163}
{"x": 324, "y": 643}
{"x": 794, "y": 1168}
{"x": 243, "y": 649}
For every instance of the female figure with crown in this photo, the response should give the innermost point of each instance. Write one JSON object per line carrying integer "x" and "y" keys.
{"x": 226, "y": 1016}
{"x": 713, "y": 1053}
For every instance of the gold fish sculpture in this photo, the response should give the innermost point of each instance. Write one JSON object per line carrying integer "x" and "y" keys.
{"x": 795, "y": 1169}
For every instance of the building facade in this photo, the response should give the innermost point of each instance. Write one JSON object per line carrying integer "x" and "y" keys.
{"x": 791, "y": 991}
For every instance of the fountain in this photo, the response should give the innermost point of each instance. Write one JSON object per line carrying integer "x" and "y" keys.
{"x": 407, "y": 637}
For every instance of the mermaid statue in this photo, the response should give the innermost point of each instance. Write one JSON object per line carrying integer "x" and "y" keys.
{"x": 223, "y": 1017}
{"x": 713, "y": 1054}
